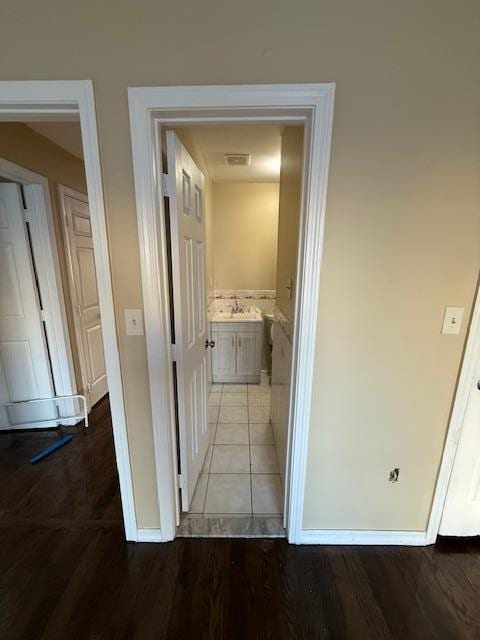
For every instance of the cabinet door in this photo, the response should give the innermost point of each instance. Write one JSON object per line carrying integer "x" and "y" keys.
{"x": 247, "y": 354}
{"x": 223, "y": 355}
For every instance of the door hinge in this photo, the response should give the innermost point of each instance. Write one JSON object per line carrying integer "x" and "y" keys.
{"x": 181, "y": 481}
{"x": 43, "y": 315}
{"x": 173, "y": 352}
{"x": 166, "y": 189}
{"x": 26, "y": 215}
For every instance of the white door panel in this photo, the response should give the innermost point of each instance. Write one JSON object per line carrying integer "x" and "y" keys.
{"x": 25, "y": 372}
{"x": 461, "y": 514}
{"x": 84, "y": 295}
{"x": 188, "y": 270}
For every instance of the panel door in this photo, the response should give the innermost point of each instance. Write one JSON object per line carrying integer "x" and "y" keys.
{"x": 25, "y": 372}
{"x": 224, "y": 362}
{"x": 247, "y": 354}
{"x": 83, "y": 281}
{"x": 461, "y": 515}
{"x": 186, "y": 184}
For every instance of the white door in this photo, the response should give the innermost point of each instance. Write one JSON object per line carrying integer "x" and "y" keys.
{"x": 84, "y": 294}
{"x": 25, "y": 372}
{"x": 461, "y": 514}
{"x": 185, "y": 190}
{"x": 224, "y": 360}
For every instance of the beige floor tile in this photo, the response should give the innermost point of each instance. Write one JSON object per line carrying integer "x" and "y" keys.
{"x": 208, "y": 459}
{"x": 258, "y": 414}
{"x": 267, "y": 495}
{"x": 214, "y": 399}
{"x": 213, "y": 414}
{"x": 228, "y": 493}
{"x": 230, "y": 458}
{"x": 233, "y": 414}
{"x": 264, "y": 458}
{"x": 261, "y": 433}
{"x": 232, "y": 433}
{"x": 198, "y": 500}
{"x": 234, "y": 400}
{"x": 212, "y": 429}
{"x": 235, "y": 388}
{"x": 259, "y": 400}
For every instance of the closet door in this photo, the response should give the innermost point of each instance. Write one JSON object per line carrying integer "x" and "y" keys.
{"x": 25, "y": 372}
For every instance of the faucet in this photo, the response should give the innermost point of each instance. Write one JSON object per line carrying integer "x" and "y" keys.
{"x": 237, "y": 308}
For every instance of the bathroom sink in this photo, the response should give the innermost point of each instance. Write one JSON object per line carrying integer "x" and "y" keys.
{"x": 228, "y": 316}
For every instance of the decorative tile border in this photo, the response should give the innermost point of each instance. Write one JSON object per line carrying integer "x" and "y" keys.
{"x": 244, "y": 294}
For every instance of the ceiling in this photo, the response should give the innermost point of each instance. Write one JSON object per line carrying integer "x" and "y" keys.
{"x": 262, "y": 142}
{"x": 65, "y": 134}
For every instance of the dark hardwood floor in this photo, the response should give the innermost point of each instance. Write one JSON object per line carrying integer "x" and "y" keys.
{"x": 66, "y": 572}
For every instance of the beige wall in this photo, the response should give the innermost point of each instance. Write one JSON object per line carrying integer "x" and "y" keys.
{"x": 402, "y": 228}
{"x": 289, "y": 218}
{"x": 25, "y": 147}
{"x": 245, "y": 224}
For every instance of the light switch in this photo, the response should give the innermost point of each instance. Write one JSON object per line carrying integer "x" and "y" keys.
{"x": 134, "y": 322}
{"x": 452, "y": 320}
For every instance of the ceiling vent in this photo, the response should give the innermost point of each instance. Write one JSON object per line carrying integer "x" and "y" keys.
{"x": 237, "y": 159}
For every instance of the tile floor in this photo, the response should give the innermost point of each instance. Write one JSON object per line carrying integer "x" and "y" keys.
{"x": 240, "y": 475}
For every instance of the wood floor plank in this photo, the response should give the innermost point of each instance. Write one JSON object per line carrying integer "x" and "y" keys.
{"x": 66, "y": 572}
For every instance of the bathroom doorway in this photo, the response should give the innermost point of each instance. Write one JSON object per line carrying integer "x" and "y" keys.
{"x": 233, "y": 205}
{"x": 176, "y": 315}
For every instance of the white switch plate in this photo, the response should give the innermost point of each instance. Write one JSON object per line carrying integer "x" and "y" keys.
{"x": 134, "y": 322}
{"x": 452, "y": 320}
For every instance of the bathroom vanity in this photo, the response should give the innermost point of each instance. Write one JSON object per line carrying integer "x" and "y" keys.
{"x": 237, "y": 355}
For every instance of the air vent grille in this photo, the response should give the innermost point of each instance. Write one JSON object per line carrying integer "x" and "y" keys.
{"x": 237, "y": 159}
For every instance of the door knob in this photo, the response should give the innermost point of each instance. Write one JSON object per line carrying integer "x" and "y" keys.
{"x": 478, "y": 385}
{"x": 209, "y": 343}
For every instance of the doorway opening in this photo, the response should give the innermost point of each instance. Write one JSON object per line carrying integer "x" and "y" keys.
{"x": 191, "y": 344}
{"x": 235, "y": 202}
{"x": 55, "y": 280}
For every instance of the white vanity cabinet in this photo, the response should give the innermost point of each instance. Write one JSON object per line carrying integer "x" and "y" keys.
{"x": 237, "y": 354}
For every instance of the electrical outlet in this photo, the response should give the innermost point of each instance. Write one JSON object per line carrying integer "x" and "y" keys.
{"x": 393, "y": 475}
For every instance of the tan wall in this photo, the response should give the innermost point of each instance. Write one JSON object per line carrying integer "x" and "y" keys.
{"x": 402, "y": 228}
{"x": 245, "y": 224}
{"x": 289, "y": 217}
{"x": 25, "y": 147}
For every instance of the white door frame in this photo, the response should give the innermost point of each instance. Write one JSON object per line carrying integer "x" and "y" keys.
{"x": 62, "y": 192}
{"x": 56, "y": 100}
{"x": 466, "y": 380}
{"x": 44, "y": 245}
{"x": 310, "y": 104}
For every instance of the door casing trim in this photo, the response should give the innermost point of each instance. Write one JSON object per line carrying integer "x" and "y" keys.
{"x": 73, "y": 99}
{"x": 310, "y": 104}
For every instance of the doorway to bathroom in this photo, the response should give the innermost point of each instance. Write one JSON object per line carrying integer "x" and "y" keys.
{"x": 232, "y": 203}
{"x": 205, "y": 339}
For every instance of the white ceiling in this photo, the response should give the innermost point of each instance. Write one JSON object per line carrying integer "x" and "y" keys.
{"x": 262, "y": 142}
{"x": 65, "y": 134}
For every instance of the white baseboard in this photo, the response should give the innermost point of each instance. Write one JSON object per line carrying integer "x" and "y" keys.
{"x": 330, "y": 536}
{"x": 150, "y": 535}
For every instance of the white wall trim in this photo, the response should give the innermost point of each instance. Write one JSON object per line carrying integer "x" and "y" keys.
{"x": 32, "y": 99}
{"x": 311, "y": 104}
{"x": 358, "y": 537}
{"x": 44, "y": 245}
{"x": 150, "y": 535}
